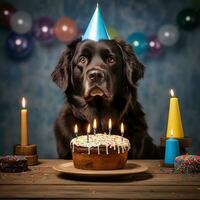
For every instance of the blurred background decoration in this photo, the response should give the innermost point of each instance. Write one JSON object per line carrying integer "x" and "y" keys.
{"x": 65, "y": 30}
{"x": 164, "y": 34}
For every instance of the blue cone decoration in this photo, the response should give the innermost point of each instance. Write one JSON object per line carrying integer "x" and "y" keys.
{"x": 96, "y": 29}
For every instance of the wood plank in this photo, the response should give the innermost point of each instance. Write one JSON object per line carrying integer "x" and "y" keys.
{"x": 44, "y": 174}
{"x": 153, "y": 165}
{"x": 140, "y": 179}
{"x": 43, "y": 182}
{"x": 118, "y": 192}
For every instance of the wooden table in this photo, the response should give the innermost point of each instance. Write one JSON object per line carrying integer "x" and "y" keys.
{"x": 42, "y": 181}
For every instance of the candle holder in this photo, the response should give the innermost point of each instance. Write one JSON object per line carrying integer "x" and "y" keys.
{"x": 29, "y": 151}
{"x": 184, "y": 142}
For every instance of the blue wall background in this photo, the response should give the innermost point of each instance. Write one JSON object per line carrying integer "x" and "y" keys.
{"x": 178, "y": 67}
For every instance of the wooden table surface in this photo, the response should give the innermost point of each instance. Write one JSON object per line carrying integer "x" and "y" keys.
{"x": 42, "y": 181}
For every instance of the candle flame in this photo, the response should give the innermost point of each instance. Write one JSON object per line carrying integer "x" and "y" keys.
{"x": 88, "y": 128}
{"x": 122, "y": 128}
{"x": 95, "y": 124}
{"x": 172, "y": 92}
{"x": 23, "y": 102}
{"x": 172, "y": 133}
{"x": 75, "y": 128}
{"x": 110, "y": 124}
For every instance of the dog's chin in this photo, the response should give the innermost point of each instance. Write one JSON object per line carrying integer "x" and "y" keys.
{"x": 97, "y": 93}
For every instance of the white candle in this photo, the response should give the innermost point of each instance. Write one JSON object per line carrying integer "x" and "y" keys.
{"x": 88, "y": 132}
{"x": 122, "y": 130}
{"x": 109, "y": 126}
{"x": 76, "y": 130}
{"x": 24, "y": 132}
{"x": 95, "y": 126}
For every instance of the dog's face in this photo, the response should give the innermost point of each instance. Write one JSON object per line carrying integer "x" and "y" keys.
{"x": 97, "y": 69}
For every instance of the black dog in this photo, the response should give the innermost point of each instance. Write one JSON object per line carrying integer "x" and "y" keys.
{"x": 99, "y": 80}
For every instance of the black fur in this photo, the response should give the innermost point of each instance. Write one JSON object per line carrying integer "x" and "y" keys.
{"x": 120, "y": 73}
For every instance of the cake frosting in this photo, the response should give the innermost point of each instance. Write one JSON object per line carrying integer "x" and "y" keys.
{"x": 101, "y": 140}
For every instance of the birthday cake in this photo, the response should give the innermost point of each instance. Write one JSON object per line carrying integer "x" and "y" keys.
{"x": 100, "y": 151}
{"x": 187, "y": 164}
{"x": 14, "y": 163}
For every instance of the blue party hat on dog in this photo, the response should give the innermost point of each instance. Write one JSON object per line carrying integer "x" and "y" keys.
{"x": 96, "y": 29}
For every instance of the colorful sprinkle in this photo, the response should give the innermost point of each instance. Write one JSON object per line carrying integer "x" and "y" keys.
{"x": 187, "y": 164}
{"x": 109, "y": 141}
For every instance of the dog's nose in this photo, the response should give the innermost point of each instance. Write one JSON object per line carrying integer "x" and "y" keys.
{"x": 95, "y": 75}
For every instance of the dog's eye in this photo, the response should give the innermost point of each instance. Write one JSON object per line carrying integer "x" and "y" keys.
{"x": 82, "y": 60}
{"x": 110, "y": 60}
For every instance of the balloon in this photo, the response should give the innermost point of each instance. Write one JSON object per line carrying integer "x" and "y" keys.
{"x": 187, "y": 19}
{"x": 6, "y": 10}
{"x": 155, "y": 47}
{"x": 139, "y": 42}
{"x": 112, "y": 32}
{"x": 65, "y": 30}
{"x": 19, "y": 45}
{"x": 21, "y": 22}
{"x": 168, "y": 35}
{"x": 43, "y": 30}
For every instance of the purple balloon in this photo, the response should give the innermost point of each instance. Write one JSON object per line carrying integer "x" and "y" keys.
{"x": 43, "y": 30}
{"x": 155, "y": 47}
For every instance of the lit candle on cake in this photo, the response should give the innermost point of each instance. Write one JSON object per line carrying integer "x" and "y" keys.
{"x": 95, "y": 126}
{"x": 88, "y": 132}
{"x": 174, "y": 118}
{"x": 76, "y": 130}
{"x": 24, "y": 132}
{"x": 122, "y": 130}
{"x": 109, "y": 126}
{"x": 172, "y": 149}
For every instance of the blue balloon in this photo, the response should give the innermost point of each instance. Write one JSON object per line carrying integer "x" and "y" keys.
{"x": 19, "y": 46}
{"x": 139, "y": 42}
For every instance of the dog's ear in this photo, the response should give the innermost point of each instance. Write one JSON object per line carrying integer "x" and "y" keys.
{"x": 62, "y": 71}
{"x": 134, "y": 69}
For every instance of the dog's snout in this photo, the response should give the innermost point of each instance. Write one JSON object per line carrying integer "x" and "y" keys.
{"x": 95, "y": 75}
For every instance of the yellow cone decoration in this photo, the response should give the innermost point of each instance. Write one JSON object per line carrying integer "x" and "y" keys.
{"x": 174, "y": 118}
